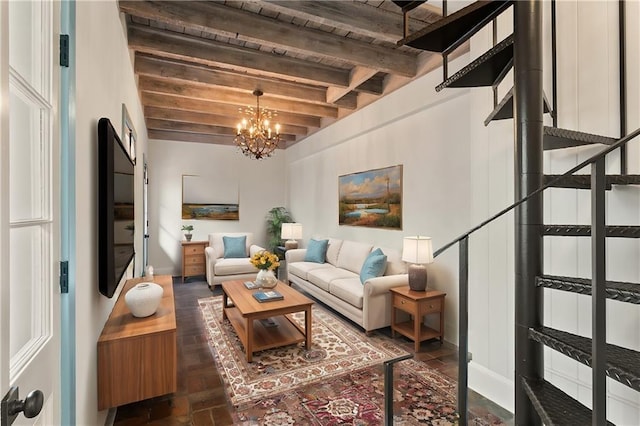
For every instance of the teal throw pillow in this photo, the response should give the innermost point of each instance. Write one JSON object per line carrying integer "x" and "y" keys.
{"x": 235, "y": 247}
{"x": 373, "y": 266}
{"x": 316, "y": 251}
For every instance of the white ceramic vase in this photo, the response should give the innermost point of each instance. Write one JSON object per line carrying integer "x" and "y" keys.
{"x": 266, "y": 278}
{"x": 143, "y": 299}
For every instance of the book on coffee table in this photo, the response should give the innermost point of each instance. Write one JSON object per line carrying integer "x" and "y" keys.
{"x": 251, "y": 285}
{"x": 267, "y": 296}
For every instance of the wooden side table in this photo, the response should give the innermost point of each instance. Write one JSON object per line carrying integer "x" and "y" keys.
{"x": 193, "y": 259}
{"x": 418, "y": 304}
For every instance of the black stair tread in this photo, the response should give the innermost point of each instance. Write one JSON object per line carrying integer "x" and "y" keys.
{"x": 554, "y": 406}
{"x": 616, "y": 290}
{"x": 555, "y": 138}
{"x": 622, "y": 364}
{"x": 408, "y": 5}
{"x": 455, "y": 28}
{"x": 585, "y": 231}
{"x": 504, "y": 109}
{"x": 485, "y": 70}
{"x": 584, "y": 181}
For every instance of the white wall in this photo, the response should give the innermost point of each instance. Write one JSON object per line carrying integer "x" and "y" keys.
{"x": 588, "y": 101}
{"x": 412, "y": 127}
{"x": 260, "y": 186}
{"x": 104, "y": 81}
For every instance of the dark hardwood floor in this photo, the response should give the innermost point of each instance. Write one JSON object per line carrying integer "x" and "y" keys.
{"x": 201, "y": 400}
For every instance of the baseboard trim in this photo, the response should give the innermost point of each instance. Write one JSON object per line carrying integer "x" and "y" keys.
{"x": 492, "y": 386}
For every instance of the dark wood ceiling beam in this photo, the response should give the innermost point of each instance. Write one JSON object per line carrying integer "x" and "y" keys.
{"x": 177, "y": 126}
{"x": 209, "y": 119}
{"x": 348, "y": 101}
{"x": 241, "y": 59}
{"x": 358, "y": 76}
{"x": 216, "y": 18}
{"x": 356, "y": 17}
{"x": 183, "y": 71}
{"x": 224, "y": 95}
{"x": 373, "y": 86}
{"x": 189, "y": 137}
{"x": 198, "y": 105}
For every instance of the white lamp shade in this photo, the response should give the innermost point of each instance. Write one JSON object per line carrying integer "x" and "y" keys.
{"x": 417, "y": 250}
{"x": 291, "y": 231}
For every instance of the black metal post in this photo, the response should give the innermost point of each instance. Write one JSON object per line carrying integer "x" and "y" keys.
{"x": 554, "y": 65}
{"x": 598, "y": 294}
{"x": 623, "y": 83}
{"x": 388, "y": 388}
{"x": 528, "y": 110}
{"x": 463, "y": 331}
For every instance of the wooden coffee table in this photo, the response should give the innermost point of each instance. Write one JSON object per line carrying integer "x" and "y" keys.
{"x": 254, "y": 335}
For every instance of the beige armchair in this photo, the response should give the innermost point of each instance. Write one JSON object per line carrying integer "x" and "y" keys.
{"x": 219, "y": 268}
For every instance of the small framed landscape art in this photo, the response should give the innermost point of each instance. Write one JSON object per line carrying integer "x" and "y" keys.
{"x": 372, "y": 198}
{"x": 209, "y": 199}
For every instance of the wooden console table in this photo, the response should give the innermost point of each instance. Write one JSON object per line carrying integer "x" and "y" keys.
{"x": 418, "y": 304}
{"x": 137, "y": 357}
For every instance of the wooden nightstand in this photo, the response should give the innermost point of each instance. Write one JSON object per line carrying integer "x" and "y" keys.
{"x": 418, "y": 304}
{"x": 193, "y": 260}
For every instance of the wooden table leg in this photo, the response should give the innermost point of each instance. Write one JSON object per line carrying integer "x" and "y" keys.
{"x": 249, "y": 340}
{"x": 393, "y": 322}
{"x": 224, "y": 305}
{"x": 442, "y": 321}
{"x": 417, "y": 319}
{"x": 307, "y": 326}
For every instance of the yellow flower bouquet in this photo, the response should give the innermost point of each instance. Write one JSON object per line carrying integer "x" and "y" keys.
{"x": 265, "y": 260}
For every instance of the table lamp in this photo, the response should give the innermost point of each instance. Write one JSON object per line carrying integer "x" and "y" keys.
{"x": 418, "y": 251}
{"x": 291, "y": 232}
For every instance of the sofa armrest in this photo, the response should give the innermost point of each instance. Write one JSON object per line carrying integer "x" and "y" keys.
{"x": 295, "y": 255}
{"x": 210, "y": 254}
{"x": 254, "y": 248}
{"x": 379, "y": 285}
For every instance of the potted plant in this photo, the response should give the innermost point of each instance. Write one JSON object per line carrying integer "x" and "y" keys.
{"x": 275, "y": 218}
{"x": 188, "y": 229}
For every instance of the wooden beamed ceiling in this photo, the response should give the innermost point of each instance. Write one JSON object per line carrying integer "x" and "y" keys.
{"x": 198, "y": 62}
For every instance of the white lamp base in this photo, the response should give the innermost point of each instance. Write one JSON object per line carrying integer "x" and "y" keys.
{"x": 291, "y": 244}
{"x": 417, "y": 277}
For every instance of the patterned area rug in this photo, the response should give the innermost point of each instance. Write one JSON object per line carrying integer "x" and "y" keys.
{"x": 340, "y": 381}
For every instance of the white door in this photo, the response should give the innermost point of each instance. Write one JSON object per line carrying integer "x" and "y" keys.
{"x": 29, "y": 202}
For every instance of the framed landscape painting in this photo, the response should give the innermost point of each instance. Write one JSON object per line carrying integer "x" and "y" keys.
{"x": 208, "y": 198}
{"x": 372, "y": 198}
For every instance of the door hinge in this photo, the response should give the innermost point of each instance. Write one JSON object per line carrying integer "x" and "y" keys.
{"x": 64, "y": 276}
{"x": 64, "y": 50}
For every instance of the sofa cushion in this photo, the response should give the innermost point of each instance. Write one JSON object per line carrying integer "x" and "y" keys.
{"x": 395, "y": 264}
{"x": 234, "y": 247}
{"x": 352, "y": 255}
{"x": 301, "y": 269}
{"x": 316, "y": 251}
{"x": 348, "y": 289}
{"x": 234, "y": 266}
{"x": 322, "y": 277}
{"x": 374, "y": 265}
{"x": 333, "y": 250}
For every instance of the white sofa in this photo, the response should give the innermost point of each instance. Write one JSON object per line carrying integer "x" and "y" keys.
{"x": 219, "y": 269}
{"x": 337, "y": 284}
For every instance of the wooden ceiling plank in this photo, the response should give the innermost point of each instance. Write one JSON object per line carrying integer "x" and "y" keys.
{"x": 348, "y": 101}
{"x": 224, "y": 95}
{"x": 197, "y": 105}
{"x": 356, "y": 17}
{"x": 240, "y": 59}
{"x": 193, "y": 137}
{"x": 373, "y": 86}
{"x": 357, "y": 76}
{"x": 217, "y": 18}
{"x": 209, "y": 119}
{"x": 177, "y": 126}
{"x": 180, "y": 70}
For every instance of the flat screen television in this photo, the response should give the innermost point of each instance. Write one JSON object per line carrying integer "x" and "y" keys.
{"x": 115, "y": 208}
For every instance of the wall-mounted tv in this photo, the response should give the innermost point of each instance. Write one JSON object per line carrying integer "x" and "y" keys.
{"x": 115, "y": 208}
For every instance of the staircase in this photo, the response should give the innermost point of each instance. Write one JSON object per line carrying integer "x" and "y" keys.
{"x": 552, "y": 405}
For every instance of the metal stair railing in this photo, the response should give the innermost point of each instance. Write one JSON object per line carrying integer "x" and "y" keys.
{"x": 598, "y": 298}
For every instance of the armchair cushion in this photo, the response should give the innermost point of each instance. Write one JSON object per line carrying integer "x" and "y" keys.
{"x": 234, "y": 247}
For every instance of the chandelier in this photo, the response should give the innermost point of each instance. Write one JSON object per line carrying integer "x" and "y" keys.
{"x": 254, "y": 136}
